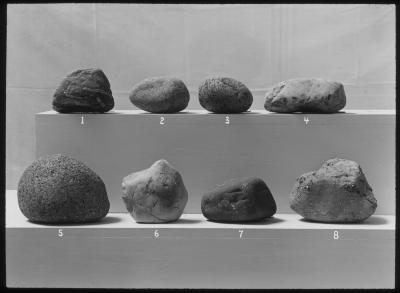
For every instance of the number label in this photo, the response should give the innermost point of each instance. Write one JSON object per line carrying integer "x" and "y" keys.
{"x": 240, "y": 233}
{"x": 227, "y": 121}
{"x": 156, "y": 234}
{"x": 60, "y": 233}
{"x": 335, "y": 234}
{"x": 306, "y": 120}
{"x": 162, "y": 120}
{"x": 82, "y": 122}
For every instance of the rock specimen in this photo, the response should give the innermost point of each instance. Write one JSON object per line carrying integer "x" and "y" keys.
{"x": 239, "y": 200}
{"x": 60, "y": 189}
{"x": 85, "y": 90}
{"x": 224, "y": 95}
{"x": 337, "y": 192}
{"x": 156, "y": 194}
{"x": 160, "y": 95}
{"x": 305, "y": 95}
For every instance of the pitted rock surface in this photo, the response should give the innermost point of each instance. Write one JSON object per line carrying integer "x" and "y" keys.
{"x": 84, "y": 90}
{"x": 156, "y": 194}
{"x": 337, "y": 192}
{"x": 305, "y": 95}
{"x": 224, "y": 95}
{"x": 61, "y": 189}
{"x": 239, "y": 200}
{"x": 160, "y": 95}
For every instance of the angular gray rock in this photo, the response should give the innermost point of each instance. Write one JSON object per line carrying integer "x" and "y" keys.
{"x": 338, "y": 192}
{"x": 224, "y": 95}
{"x": 160, "y": 95}
{"x": 156, "y": 194}
{"x": 61, "y": 189}
{"x": 239, "y": 200}
{"x": 305, "y": 95}
{"x": 84, "y": 90}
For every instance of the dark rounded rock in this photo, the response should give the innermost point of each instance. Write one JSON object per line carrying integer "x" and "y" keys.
{"x": 160, "y": 95}
{"x": 85, "y": 90}
{"x": 239, "y": 200}
{"x": 61, "y": 189}
{"x": 338, "y": 192}
{"x": 156, "y": 194}
{"x": 224, "y": 95}
{"x": 314, "y": 95}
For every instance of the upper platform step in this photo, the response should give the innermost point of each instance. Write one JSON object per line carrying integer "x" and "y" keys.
{"x": 208, "y": 149}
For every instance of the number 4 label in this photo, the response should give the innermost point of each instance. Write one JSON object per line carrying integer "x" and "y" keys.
{"x": 306, "y": 120}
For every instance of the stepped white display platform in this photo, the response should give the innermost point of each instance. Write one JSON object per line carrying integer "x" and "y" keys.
{"x": 208, "y": 149}
{"x": 281, "y": 252}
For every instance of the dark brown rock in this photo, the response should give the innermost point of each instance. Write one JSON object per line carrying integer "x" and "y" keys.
{"x": 239, "y": 200}
{"x": 160, "y": 95}
{"x": 85, "y": 90}
{"x": 337, "y": 192}
{"x": 60, "y": 189}
{"x": 224, "y": 95}
{"x": 155, "y": 195}
{"x": 305, "y": 95}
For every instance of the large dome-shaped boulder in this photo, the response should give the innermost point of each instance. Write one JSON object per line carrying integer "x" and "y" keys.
{"x": 61, "y": 189}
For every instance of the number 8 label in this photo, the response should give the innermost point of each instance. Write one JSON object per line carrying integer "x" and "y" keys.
{"x": 335, "y": 234}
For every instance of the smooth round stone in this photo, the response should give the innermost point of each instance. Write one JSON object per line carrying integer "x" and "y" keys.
{"x": 224, "y": 95}
{"x": 305, "y": 95}
{"x": 338, "y": 192}
{"x": 239, "y": 200}
{"x": 156, "y": 194}
{"x": 61, "y": 189}
{"x": 85, "y": 90}
{"x": 160, "y": 95}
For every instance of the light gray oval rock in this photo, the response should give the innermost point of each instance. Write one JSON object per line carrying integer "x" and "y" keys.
{"x": 224, "y": 95}
{"x": 84, "y": 90}
{"x": 156, "y": 194}
{"x": 337, "y": 192}
{"x": 239, "y": 200}
{"x": 160, "y": 95}
{"x": 61, "y": 189}
{"x": 305, "y": 95}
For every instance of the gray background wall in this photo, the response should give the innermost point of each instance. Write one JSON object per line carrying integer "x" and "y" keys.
{"x": 257, "y": 44}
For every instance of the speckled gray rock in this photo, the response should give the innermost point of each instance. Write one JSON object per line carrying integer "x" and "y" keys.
{"x": 337, "y": 192}
{"x": 239, "y": 200}
{"x": 85, "y": 90}
{"x": 156, "y": 194}
{"x": 61, "y": 189}
{"x": 160, "y": 95}
{"x": 224, "y": 95}
{"x": 305, "y": 95}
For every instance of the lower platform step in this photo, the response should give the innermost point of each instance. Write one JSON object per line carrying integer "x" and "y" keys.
{"x": 281, "y": 252}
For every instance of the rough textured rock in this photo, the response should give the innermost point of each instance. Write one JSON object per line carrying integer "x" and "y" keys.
{"x": 160, "y": 95}
{"x": 224, "y": 95}
{"x": 305, "y": 95}
{"x": 156, "y": 194}
{"x": 60, "y": 189}
{"x": 85, "y": 90}
{"x": 239, "y": 200}
{"x": 337, "y": 192}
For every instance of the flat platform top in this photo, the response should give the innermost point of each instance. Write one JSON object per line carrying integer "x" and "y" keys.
{"x": 204, "y": 112}
{"x": 15, "y": 219}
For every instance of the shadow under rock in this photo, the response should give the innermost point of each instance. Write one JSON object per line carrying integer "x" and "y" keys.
{"x": 373, "y": 220}
{"x": 266, "y": 221}
{"x": 106, "y": 220}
